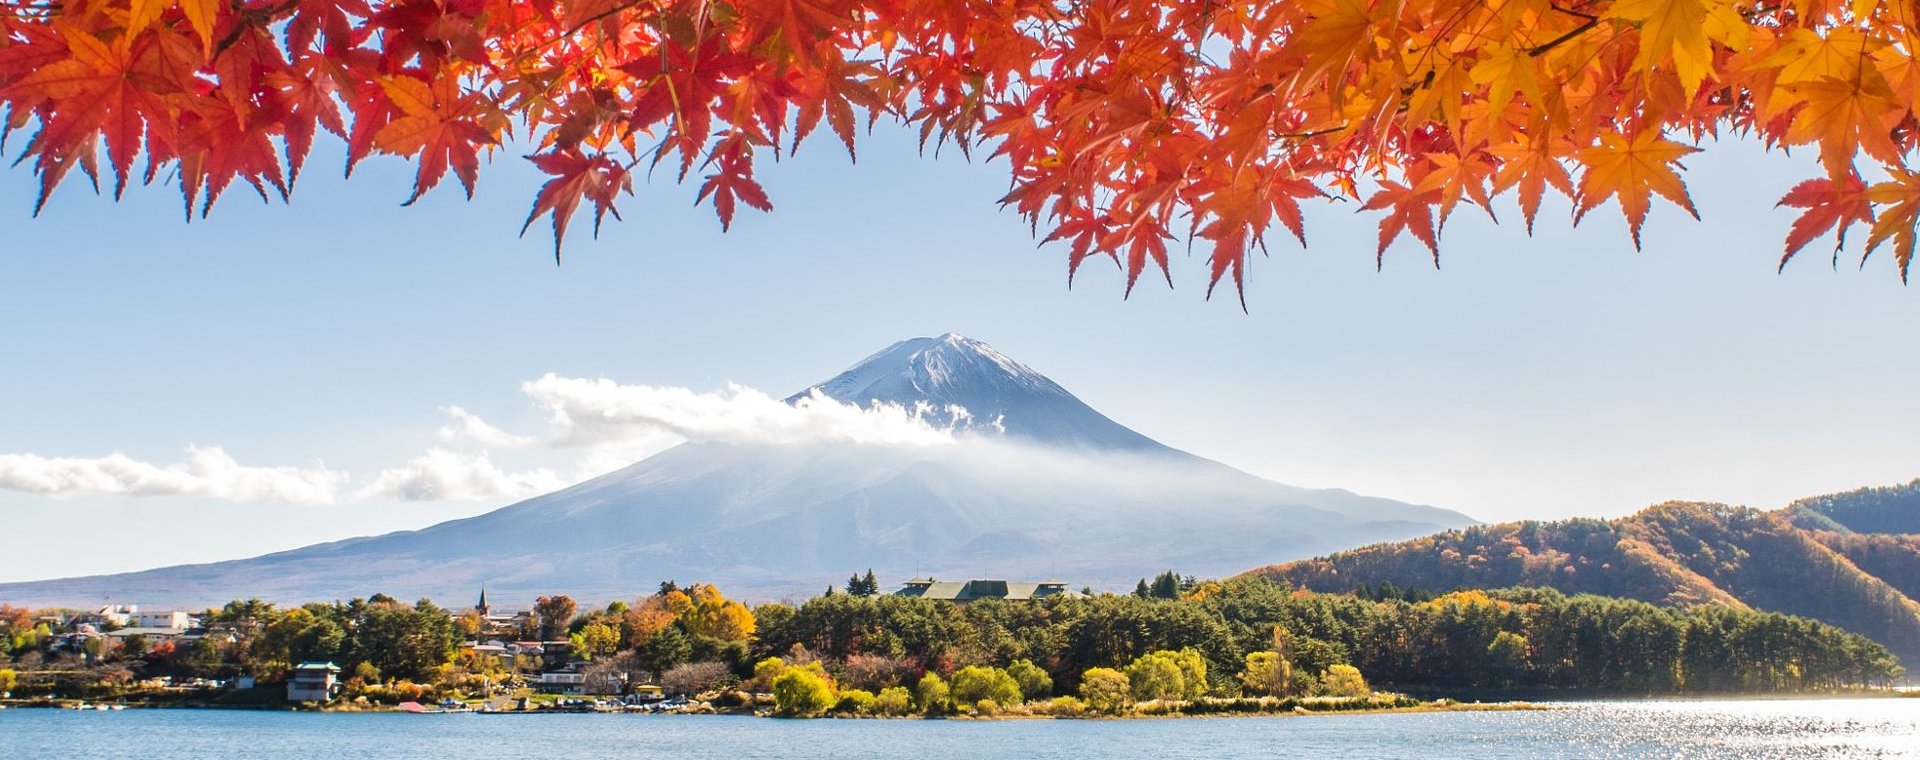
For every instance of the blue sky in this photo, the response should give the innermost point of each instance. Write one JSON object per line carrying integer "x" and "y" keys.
{"x": 1562, "y": 374}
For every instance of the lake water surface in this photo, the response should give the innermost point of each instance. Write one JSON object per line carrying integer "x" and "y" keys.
{"x": 1834, "y": 728}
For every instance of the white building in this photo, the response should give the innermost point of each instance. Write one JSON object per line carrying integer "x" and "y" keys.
{"x": 313, "y": 682}
{"x": 173, "y": 619}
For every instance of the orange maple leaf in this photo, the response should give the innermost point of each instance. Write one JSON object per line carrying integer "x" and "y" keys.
{"x": 1828, "y": 205}
{"x": 1632, "y": 170}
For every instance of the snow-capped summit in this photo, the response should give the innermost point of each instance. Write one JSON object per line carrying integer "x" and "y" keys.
{"x": 997, "y": 393}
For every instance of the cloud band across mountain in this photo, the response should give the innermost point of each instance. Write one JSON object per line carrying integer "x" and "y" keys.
{"x": 598, "y": 423}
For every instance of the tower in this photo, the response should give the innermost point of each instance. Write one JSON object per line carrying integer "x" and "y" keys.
{"x": 481, "y": 607}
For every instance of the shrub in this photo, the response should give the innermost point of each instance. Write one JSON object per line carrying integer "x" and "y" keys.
{"x": 1343, "y": 681}
{"x": 800, "y": 692}
{"x": 931, "y": 695}
{"x": 1169, "y": 675}
{"x": 1066, "y": 707}
{"x": 1034, "y": 682}
{"x": 1267, "y": 674}
{"x": 856, "y": 702}
{"x": 975, "y": 683}
{"x": 764, "y": 672}
{"x": 893, "y": 700}
{"x": 875, "y": 672}
{"x": 1106, "y": 690}
{"x": 694, "y": 677}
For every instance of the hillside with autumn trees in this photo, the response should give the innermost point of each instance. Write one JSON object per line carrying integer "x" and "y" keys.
{"x": 1126, "y": 126}
{"x": 1800, "y": 560}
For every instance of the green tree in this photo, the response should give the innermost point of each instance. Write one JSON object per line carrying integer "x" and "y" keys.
{"x": 1168, "y": 675}
{"x": 974, "y": 683}
{"x": 800, "y": 692}
{"x": 1106, "y": 690}
{"x": 1034, "y": 681}
{"x": 666, "y": 649}
{"x": 1507, "y": 657}
{"x": 931, "y": 694}
{"x": 596, "y": 640}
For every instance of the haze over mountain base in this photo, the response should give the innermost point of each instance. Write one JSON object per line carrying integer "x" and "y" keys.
{"x": 1031, "y": 483}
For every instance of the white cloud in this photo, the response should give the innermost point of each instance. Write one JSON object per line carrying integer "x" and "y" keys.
{"x": 602, "y": 425}
{"x": 591, "y": 412}
{"x": 441, "y": 475}
{"x": 467, "y": 426}
{"x": 209, "y": 472}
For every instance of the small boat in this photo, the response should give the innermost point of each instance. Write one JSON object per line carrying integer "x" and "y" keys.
{"x": 444, "y": 708}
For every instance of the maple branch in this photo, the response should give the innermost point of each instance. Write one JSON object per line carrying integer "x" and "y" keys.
{"x": 1540, "y": 50}
{"x": 1310, "y": 135}
{"x": 1572, "y": 12}
{"x": 254, "y": 17}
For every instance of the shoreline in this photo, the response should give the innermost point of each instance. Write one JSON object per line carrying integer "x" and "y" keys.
{"x": 1152, "y": 712}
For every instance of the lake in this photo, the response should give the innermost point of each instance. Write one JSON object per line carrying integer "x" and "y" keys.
{"x": 1831, "y": 728}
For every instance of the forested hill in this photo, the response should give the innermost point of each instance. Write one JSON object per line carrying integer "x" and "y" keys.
{"x": 1676, "y": 553}
{"x": 1892, "y": 510}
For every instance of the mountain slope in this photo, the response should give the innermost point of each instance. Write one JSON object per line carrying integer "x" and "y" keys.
{"x": 1894, "y": 510}
{"x": 1676, "y": 553}
{"x": 1038, "y": 484}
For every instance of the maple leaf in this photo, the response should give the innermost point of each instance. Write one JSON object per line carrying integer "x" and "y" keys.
{"x": 1506, "y": 70}
{"x": 435, "y": 125}
{"x": 1408, "y": 210}
{"x": 1845, "y": 117}
{"x": 1531, "y": 168}
{"x": 1897, "y": 223}
{"x": 576, "y": 176}
{"x": 733, "y": 181}
{"x": 1680, "y": 29}
{"x": 1828, "y": 205}
{"x": 100, "y": 96}
{"x": 1632, "y": 171}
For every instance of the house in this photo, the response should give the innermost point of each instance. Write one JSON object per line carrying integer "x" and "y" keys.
{"x": 567, "y": 680}
{"x": 171, "y": 619}
{"x": 151, "y": 635}
{"x": 112, "y": 614}
{"x": 313, "y": 682}
{"x": 967, "y": 591}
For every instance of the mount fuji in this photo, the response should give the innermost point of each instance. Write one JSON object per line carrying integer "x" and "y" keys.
{"x": 1036, "y": 484}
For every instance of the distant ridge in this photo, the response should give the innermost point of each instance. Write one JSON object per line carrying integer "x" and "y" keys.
{"x": 1806, "y": 559}
{"x": 1039, "y": 484}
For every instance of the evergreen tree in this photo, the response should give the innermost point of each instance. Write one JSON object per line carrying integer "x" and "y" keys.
{"x": 1166, "y": 586}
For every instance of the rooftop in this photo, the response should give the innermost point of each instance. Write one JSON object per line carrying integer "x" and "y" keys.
{"x": 967, "y": 591}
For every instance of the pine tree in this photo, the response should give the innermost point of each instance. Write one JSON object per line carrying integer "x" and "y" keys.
{"x": 871, "y": 583}
{"x": 1166, "y": 585}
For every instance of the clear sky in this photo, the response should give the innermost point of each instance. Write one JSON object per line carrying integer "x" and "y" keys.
{"x": 1562, "y": 374}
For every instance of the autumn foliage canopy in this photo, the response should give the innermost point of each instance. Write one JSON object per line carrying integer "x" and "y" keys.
{"x": 1126, "y": 124}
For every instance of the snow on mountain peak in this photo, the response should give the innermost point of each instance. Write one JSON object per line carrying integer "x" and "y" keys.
{"x": 972, "y": 386}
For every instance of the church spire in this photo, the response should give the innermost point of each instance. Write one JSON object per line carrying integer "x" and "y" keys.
{"x": 482, "y": 606}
